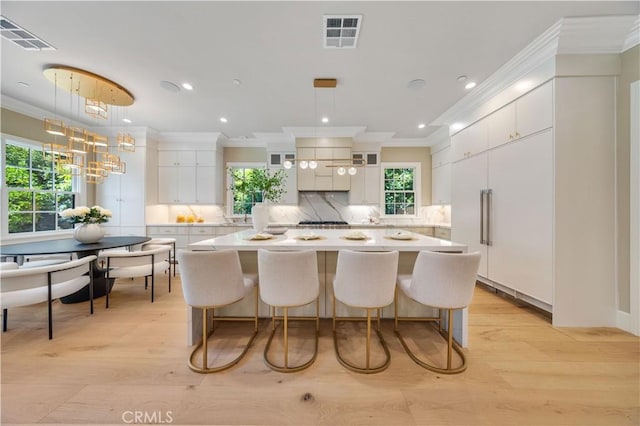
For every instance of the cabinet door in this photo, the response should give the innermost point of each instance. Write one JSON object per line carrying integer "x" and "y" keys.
{"x": 186, "y": 184}
{"x": 468, "y": 178}
{"x": 167, "y": 158}
{"x": 323, "y": 154}
{"x": 306, "y": 178}
{"x": 206, "y": 184}
{"x": 340, "y": 183}
{"x": 535, "y": 110}
{"x": 132, "y": 190}
{"x": 371, "y": 184}
{"x": 186, "y": 158}
{"x": 501, "y": 125}
{"x": 441, "y": 157}
{"x": 520, "y": 176}
{"x": 441, "y": 184}
{"x": 108, "y": 196}
{"x": 167, "y": 185}
{"x": 357, "y": 191}
{"x": 470, "y": 141}
{"x": 206, "y": 158}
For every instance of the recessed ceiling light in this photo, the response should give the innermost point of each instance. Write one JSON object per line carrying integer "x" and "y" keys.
{"x": 126, "y": 120}
{"x": 22, "y": 83}
{"x": 325, "y": 119}
{"x": 187, "y": 86}
{"x": 223, "y": 120}
{"x": 167, "y": 85}
{"x": 237, "y": 82}
{"x": 470, "y": 85}
{"x": 421, "y": 126}
{"x": 416, "y": 84}
{"x": 462, "y": 78}
{"x": 456, "y": 126}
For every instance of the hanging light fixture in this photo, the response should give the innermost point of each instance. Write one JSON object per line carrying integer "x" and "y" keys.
{"x": 87, "y": 153}
{"x": 54, "y": 126}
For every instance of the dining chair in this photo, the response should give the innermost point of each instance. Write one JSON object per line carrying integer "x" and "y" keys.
{"x": 212, "y": 280}
{"x": 443, "y": 281}
{"x": 364, "y": 280}
{"x": 147, "y": 263}
{"x": 289, "y": 279}
{"x": 169, "y": 242}
{"x": 28, "y": 286}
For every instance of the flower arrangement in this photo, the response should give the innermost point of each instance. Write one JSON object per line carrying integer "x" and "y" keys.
{"x": 84, "y": 214}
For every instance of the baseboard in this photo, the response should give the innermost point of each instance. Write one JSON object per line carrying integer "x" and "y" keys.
{"x": 626, "y": 322}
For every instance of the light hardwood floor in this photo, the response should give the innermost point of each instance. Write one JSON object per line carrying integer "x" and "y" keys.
{"x": 132, "y": 358}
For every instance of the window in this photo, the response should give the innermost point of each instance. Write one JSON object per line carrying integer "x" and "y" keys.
{"x": 36, "y": 192}
{"x": 401, "y": 188}
{"x": 241, "y": 197}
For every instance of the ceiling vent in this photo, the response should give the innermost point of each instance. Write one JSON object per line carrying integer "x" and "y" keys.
{"x": 341, "y": 31}
{"x": 22, "y": 37}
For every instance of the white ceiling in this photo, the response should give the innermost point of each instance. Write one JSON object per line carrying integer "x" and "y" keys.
{"x": 275, "y": 50}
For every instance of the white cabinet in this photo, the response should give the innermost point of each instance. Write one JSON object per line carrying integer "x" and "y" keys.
{"x": 323, "y": 177}
{"x": 187, "y": 177}
{"x": 470, "y": 141}
{"x": 441, "y": 176}
{"x": 365, "y": 184}
{"x": 521, "y": 231}
{"x": 124, "y": 196}
{"x": 276, "y": 162}
{"x": 531, "y": 113}
{"x": 441, "y": 184}
{"x": 502, "y": 206}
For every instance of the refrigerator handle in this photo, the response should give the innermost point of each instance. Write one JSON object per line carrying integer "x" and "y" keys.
{"x": 489, "y": 202}
{"x": 482, "y": 240}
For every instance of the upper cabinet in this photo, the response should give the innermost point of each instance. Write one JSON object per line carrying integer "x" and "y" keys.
{"x": 470, "y": 141}
{"x": 187, "y": 177}
{"x": 276, "y": 162}
{"x": 529, "y": 114}
{"x": 324, "y": 176}
{"x": 365, "y": 184}
{"x": 441, "y": 176}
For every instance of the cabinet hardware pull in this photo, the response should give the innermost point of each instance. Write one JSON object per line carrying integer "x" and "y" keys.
{"x": 517, "y": 135}
{"x": 482, "y": 240}
{"x": 489, "y": 202}
{"x": 510, "y": 136}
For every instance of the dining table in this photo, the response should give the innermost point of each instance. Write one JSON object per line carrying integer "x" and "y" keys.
{"x": 69, "y": 245}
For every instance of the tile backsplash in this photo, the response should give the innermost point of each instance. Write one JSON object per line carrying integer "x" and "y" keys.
{"x": 326, "y": 206}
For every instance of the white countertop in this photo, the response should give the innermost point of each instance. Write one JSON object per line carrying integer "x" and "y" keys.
{"x": 330, "y": 240}
{"x": 353, "y": 225}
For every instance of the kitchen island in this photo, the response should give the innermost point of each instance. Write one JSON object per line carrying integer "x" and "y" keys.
{"x": 327, "y": 242}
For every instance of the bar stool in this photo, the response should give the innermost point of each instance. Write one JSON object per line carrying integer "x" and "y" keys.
{"x": 172, "y": 254}
{"x": 213, "y": 279}
{"x": 443, "y": 281}
{"x": 289, "y": 279}
{"x": 364, "y": 280}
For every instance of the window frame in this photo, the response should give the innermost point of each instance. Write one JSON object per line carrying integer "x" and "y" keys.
{"x": 229, "y": 180}
{"x": 417, "y": 188}
{"x": 4, "y": 189}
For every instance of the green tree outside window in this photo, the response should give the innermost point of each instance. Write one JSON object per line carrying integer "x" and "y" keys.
{"x": 399, "y": 191}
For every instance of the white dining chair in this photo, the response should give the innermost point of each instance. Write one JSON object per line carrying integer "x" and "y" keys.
{"x": 28, "y": 286}
{"x": 289, "y": 279}
{"x": 443, "y": 281}
{"x": 147, "y": 263}
{"x": 211, "y": 280}
{"x": 364, "y": 280}
{"x": 169, "y": 242}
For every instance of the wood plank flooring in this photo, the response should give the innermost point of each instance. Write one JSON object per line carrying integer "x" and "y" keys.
{"x": 131, "y": 360}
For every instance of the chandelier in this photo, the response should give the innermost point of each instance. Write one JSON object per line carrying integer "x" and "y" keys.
{"x": 77, "y": 150}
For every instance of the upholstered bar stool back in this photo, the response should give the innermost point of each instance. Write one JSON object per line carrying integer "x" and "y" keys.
{"x": 289, "y": 279}
{"x": 443, "y": 281}
{"x": 364, "y": 280}
{"x": 210, "y": 280}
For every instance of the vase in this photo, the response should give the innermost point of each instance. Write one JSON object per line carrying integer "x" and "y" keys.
{"x": 260, "y": 216}
{"x": 88, "y": 233}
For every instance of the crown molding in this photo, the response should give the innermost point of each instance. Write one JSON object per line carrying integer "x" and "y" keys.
{"x": 189, "y": 137}
{"x": 583, "y": 35}
{"x": 324, "y": 132}
{"x": 633, "y": 39}
{"x": 595, "y": 34}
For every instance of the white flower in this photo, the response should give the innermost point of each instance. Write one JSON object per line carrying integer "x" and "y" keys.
{"x": 107, "y": 212}
{"x": 82, "y": 210}
{"x": 68, "y": 213}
